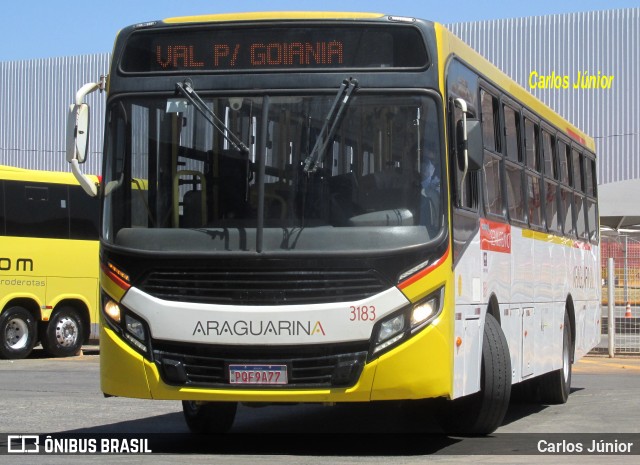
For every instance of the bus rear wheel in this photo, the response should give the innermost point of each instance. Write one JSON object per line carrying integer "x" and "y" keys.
{"x": 556, "y": 386}
{"x": 18, "y": 332}
{"x": 209, "y": 417}
{"x": 63, "y": 336}
{"x": 483, "y": 412}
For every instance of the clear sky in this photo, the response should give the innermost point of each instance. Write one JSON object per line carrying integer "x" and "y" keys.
{"x": 51, "y": 28}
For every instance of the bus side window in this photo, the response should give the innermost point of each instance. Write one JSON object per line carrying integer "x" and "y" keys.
{"x": 515, "y": 199}
{"x": 548, "y": 148}
{"x": 531, "y": 145}
{"x": 490, "y": 120}
{"x": 589, "y": 177}
{"x": 567, "y": 211}
{"x": 84, "y": 212}
{"x": 466, "y": 196}
{"x": 462, "y": 83}
{"x": 513, "y": 168}
{"x": 580, "y": 205}
{"x": 550, "y": 172}
{"x": 491, "y": 164}
{"x": 581, "y": 216}
{"x": 590, "y": 189}
{"x": 36, "y": 210}
{"x": 512, "y": 133}
{"x": 534, "y": 199}
{"x": 566, "y": 193}
{"x": 532, "y": 159}
{"x": 563, "y": 162}
{"x": 577, "y": 170}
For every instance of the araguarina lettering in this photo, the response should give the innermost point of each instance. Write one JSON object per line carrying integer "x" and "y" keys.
{"x": 258, "y": 328}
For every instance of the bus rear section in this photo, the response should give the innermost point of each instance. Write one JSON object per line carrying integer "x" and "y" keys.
{"x": 49, "y": 263}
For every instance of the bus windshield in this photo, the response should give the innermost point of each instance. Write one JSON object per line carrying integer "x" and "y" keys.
{"x": 175, "y": 179}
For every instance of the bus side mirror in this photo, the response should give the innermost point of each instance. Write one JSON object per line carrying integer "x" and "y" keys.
{"x": 474, "y": 144}
{"x": 78, "y": 132}
{"x": 471, "y": 143}
{"x": 78, "y": 135}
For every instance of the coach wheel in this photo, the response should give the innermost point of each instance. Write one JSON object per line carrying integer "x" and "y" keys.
{"x": 483, "y": 412}
{"x": 555, "y": 386}
{"x": 63, "y": 336}
{"x": 18, "y": 332}
{"x": 209, "y": 417}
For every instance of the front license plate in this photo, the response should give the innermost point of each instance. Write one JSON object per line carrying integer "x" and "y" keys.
{"x": 258, "y": 374}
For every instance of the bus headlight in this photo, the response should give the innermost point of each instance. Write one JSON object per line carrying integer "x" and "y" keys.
{"x": 403, "y": 324}
{"x": 390, "y": 329}
{"x": 135, "y": 332}
{"x": 112, "y": 310}
{"x": 135, "y": 327}
{"x": 126, "y": 324}
{"x": 425, "y": 311}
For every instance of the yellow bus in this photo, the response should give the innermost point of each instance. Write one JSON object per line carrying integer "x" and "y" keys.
{"x": 48, "y": 263}
{"x": 337, "y": 207}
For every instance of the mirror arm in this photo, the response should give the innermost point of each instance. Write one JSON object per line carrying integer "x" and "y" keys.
{"x": 87, "y": 185}
{"x": 86, "y": 90}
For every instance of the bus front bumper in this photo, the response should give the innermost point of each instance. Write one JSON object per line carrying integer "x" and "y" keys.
{"x": 418, "y": 368}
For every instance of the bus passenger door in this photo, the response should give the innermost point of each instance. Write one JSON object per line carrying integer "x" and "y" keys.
{"x": 465, "y": 203}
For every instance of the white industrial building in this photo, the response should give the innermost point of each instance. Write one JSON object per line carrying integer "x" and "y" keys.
{"x": 34, "y": 94}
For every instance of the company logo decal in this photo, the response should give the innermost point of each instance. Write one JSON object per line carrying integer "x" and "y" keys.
{"x": 21, "y": 264}
{"x": 258, "y": 328}
{"x": 494, "y": 236}
{"x": 583, "y": 278}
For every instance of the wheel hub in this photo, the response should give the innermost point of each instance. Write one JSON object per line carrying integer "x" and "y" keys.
{"x": 66, "y": 332}
{"x": 16, "y": 334}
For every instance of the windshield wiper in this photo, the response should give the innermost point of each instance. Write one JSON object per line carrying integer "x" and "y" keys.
{"x": 186, "y": 89}
{"x": 332, "y": 119}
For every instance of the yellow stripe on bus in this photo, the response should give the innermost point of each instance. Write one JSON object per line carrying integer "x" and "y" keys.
{"x": 546, "y": 237}
{"x": 271, "y": 15}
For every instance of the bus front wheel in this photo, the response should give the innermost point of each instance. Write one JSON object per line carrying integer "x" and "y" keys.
{"x": 63, "y": 336}
{"x": 209, "y": 417}
{"x": 483, "y": 412}
{"x": 18, "y": 332}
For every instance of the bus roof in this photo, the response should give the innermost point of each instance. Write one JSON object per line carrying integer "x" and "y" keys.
{"x": 271, "y": 15}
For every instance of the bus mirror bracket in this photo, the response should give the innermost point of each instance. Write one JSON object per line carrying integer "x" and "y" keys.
{"x": 77, "y": 137}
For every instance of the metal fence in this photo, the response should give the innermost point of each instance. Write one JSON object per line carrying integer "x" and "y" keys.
{"x": 625, "y": 251}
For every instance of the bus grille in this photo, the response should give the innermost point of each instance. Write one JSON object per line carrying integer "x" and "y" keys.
{"x": 263, "y": 287}
{"x": 209, "y": 368}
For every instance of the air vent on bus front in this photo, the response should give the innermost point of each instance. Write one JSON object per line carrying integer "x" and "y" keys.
{"x": 263, "y": 287}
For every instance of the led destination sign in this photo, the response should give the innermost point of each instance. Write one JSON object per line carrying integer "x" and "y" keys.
{"x": 215, "y": 49}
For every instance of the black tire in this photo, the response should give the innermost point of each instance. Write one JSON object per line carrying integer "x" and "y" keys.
{"x": 483, "y": 412}
{"x": 209, "y": 417}
{"x": 64, "y": 334}
{"x": 554, "y": 387}
{"x": 18, "y": 333}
